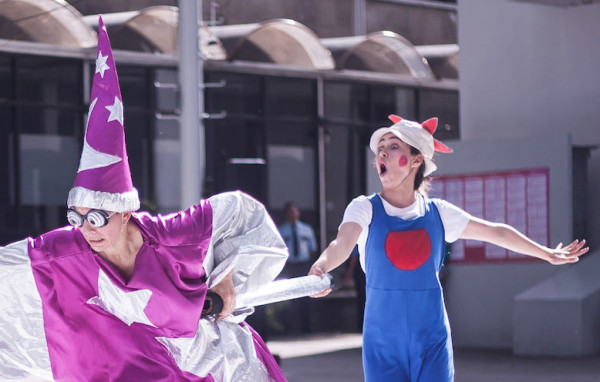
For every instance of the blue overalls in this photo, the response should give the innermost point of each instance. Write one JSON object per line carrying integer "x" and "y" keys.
{"x": 406, "y": 334}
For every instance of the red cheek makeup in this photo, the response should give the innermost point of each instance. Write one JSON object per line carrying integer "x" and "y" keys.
{"x": 403, "y": 161}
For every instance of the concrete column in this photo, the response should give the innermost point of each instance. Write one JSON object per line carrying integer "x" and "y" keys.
{"x": 192, "y": 103}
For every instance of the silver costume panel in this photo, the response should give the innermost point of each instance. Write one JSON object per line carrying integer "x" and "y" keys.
{"x": 245, "y": 239}
{"x": 23, "y": 349}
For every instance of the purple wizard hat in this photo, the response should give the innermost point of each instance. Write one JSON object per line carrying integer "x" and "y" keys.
{"x": 103, "y": 179}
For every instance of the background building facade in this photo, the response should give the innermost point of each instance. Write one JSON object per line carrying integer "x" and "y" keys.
{"x": 293, "y": 91}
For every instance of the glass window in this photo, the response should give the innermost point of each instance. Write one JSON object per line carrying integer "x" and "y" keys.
{"x": 241, "y": 95}
{"x": 444, "y": 105}
{"x": 138, "y": 127}
{"x": 48, "y": 165}
{"x": 48, "y": 80}
{"x": 167, "y": 162}
{"x": 293, "y": 168}
{"x": 344, "y": 169}
{"x": 232, "y": 145}
{"x": 135, "y": 87}
{"x": 290, "y": 98}
{"x": 383, "y": 103}
{"x": 346, "y": 101}
{"x": 50, "y": 121}
{"x": 406, "y": 103}
{"x": 5, "y": 79}
{"x": 45, "y": 98}
{"x": 166, "y": 85}
{"x": 7, "y": 164}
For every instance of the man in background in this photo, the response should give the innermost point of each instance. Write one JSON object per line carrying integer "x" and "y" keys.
{"x": 300, "y": 240}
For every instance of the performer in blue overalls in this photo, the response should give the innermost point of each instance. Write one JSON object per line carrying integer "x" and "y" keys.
{"x": 400, "y": 235}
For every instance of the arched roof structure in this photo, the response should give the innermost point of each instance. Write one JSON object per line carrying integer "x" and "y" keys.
{"x": 385, "y": 51}
{"x": 280, "y": 41}
{"x": 443, "y": 59}
{"x": 154, "y": 30}
{"x": 46, "y": 21}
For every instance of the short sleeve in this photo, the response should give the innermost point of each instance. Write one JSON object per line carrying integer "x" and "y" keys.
{"x": 453, "y": 218}
{"x": 359, "y": 211}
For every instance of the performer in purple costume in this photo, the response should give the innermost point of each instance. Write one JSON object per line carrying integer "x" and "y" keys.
{"x": 118, "y": 295}
{"x": 400, "y": 234}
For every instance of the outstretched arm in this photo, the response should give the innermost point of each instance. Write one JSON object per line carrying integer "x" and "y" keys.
{"x": 506, "y": 236}
{"x": 336, "y": 252}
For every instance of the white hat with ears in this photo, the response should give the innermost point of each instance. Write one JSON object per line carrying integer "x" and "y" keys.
{"x": 415, "y": 134}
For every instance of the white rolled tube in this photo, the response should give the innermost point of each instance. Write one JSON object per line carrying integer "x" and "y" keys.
{"x": 285, "y": 289}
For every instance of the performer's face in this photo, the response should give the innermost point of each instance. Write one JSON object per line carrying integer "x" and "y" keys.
{"x": 101, "y": 238}
{"x": 394, "y": 160}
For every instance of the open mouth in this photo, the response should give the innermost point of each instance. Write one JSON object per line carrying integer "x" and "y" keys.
{"x": 382, "y": 169}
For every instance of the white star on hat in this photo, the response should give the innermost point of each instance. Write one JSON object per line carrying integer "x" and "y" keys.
{"x": 101, "y": 65}
{"x": 116, "y": 111}
{"x": 91, "y": 158}
{"x": 127, "y": 306}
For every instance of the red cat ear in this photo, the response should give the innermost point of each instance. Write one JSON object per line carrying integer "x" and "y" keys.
{"x": 394, "y": 118}
{"x": 430, "y": 125}
{"x": 439, "y": 146}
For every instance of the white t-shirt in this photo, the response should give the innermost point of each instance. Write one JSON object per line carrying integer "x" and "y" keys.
{"x": 360, "y": 211}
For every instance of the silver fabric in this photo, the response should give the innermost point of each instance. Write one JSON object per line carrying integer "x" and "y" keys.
{"x": 246, "y": 240}
{"x": 282, "y": 290}
{"x": 124, "y": 202}
{"x": 226, "y": 350}
{"x": 23, "y": 349}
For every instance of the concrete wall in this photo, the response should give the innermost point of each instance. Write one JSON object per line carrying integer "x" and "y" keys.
{"x": 560, "y": 315}
{"x": 479, "y": 297}
{"x": 531, "y": 69}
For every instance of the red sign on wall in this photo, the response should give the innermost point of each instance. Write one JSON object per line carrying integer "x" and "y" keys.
{"x": 518, "y": 198}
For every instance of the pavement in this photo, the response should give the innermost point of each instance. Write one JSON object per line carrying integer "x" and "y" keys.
{"x": 337, "y": 357}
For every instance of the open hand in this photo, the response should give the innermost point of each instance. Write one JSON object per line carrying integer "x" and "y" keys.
{"x": 569, "y": 254}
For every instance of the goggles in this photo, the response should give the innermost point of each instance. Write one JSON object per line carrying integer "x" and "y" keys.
{"x": 96, "y": 218}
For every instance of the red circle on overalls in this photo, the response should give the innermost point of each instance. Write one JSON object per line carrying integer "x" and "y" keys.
{"x": 408, "y": 250}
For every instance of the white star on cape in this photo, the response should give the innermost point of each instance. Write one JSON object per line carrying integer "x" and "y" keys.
{"x": 91, "y": 158}
{"x": 127, "y": 306}
{"x": 101, "y": 66}
{"x": 116, "y": 111}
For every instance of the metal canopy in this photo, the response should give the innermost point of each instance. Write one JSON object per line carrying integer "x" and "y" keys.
{"x": 280, "y": 41}
{"x": 386, "y": 52}
{"x": 443, "y": 59}
{"x": 45, "y": 21}
{"x": 154, "y": 30}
